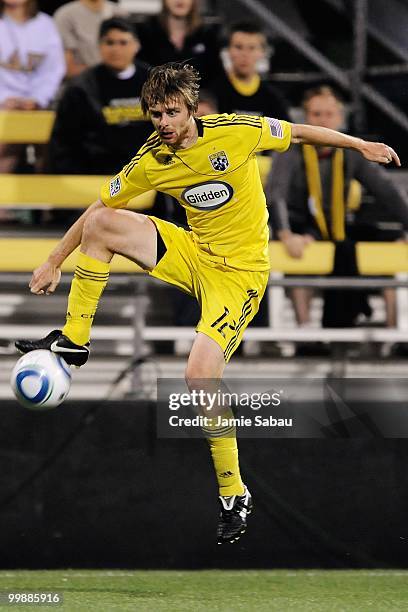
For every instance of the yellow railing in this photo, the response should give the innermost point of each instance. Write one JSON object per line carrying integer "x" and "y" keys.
{"x": 58, "y": 191}
{"x": 26, "y": 126}
{"x": 374, "y": 258}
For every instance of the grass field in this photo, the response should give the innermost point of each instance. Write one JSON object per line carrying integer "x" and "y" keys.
{"x": 214, "y": 591}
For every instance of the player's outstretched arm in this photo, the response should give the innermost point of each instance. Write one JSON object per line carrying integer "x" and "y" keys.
{"x": 46, "y": 277}
{"x": 314, "y": 135}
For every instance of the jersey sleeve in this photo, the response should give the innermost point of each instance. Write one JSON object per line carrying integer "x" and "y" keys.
{"x": 275, "y": 135}
{"x": 129, "y": 183}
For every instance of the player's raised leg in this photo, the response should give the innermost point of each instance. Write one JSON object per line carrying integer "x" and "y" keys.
{"x": 204, "y": 372}
{"x": 105, "y": 232}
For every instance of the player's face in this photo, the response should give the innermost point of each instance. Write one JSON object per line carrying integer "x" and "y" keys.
{"x": 325, "y": 111}
{"x": 245, "y": 50}
{"x": 172, "y": 121}
{"x": 118, "y": 49}
{"x": 179, "y": 8}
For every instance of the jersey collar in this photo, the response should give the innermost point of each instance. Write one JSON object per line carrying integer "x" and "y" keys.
{"x": 200, "y": 127}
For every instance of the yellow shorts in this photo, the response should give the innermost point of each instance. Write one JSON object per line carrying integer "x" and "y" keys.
{"x": 229, "y": 298}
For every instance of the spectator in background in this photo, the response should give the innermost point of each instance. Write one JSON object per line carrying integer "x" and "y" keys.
{"x": 241, "y": 90}
{"x": 31, "y": 64}
{"x": 99, "y": 122}
{"x": 308, "y": 192}
{"x": 177, "y": 34}
{"x": 207, "y": 104}
{"x": 78, "y": 23}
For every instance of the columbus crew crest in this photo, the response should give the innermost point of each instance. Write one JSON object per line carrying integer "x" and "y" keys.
{"x": 219, "y": 161}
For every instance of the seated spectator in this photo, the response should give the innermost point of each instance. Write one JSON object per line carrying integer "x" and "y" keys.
{"x": 308, "y": 192}
{"x": 177, "y": 34}
{"x": 78, "y": 23}
{"x": 99, "y": 123}
{"x": 242, "y": 89}
{"x": 31, "y": 64}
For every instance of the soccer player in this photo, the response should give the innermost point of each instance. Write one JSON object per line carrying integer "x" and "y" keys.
{"x": 209, "y": 166}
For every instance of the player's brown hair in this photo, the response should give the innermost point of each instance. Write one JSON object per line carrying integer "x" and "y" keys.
{"x": 171, "y": 82}
{"x": 31, "y": 8}
{"x": 321, "y": 90}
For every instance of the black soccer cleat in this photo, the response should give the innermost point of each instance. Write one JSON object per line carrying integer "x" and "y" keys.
{"x": 233, "y": 517}
{"x": 73, "y": 354}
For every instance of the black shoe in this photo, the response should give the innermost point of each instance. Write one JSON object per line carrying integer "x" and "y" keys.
{"x": 73, "y": 354}
{"x": 233, "y": 517}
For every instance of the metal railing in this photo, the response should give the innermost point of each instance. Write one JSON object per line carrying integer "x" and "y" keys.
{"x": 349, "y": 80}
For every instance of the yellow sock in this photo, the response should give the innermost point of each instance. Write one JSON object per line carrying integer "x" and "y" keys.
{"x": 91, "y": 276}
{"x": 224, "y": 451}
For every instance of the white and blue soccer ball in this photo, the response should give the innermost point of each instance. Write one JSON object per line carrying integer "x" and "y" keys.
{"x": 41, "y": 380}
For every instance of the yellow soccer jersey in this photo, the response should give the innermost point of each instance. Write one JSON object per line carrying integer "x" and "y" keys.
{"x": 216, "y": 180}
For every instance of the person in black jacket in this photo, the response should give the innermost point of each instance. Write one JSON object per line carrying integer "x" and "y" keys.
{"x": 177, "y": 34}
{"x": 99, "y": 123}
{"x": 241, "y": 89}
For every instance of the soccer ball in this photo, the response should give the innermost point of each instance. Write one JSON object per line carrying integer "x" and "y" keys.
{"x": 41, "y": 380}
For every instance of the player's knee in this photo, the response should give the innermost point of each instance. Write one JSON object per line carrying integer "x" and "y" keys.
{"x": 190, "y": 375}
{"x": 98, "y": 222}
{"x": 195, "y": 373}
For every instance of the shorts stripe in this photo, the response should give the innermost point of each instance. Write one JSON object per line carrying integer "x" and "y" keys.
{"x": 246, "y": 311}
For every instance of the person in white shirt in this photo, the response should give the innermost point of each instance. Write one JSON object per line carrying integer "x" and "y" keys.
{"x": 31, "y": 56}
{"x": 32, "y": 63}
{"x": 78, "y": 23}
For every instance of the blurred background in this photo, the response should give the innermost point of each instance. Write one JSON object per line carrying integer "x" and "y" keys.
{"x": 90, "y": 484}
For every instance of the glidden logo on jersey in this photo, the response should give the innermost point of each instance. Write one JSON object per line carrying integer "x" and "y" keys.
{"x": 210, "y": 195}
